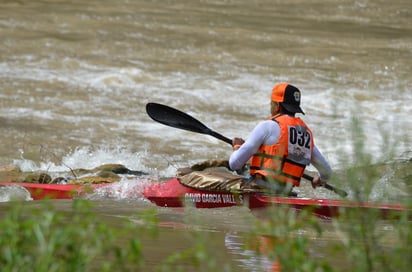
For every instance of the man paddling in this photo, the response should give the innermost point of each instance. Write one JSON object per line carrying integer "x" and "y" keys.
{"x": 280, "y": 147}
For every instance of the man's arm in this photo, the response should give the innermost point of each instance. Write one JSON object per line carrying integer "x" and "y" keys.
{"x": 321, "y": 164}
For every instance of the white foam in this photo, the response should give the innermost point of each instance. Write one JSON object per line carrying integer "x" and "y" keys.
{"x": 88, "y": 158}
{"x": 14, "y": 193}
{"x": 124, "y": 189}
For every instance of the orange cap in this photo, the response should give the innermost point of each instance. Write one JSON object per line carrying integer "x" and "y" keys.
{"x": 289, "y": 97}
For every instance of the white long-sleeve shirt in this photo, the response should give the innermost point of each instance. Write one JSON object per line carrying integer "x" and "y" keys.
{"x": 267, "y": 133}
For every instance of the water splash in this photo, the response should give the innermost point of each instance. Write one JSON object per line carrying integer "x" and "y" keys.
{"x": 87, "y": 158}
{"x": 14, "y": 193}
{"x": 129, "y": 189}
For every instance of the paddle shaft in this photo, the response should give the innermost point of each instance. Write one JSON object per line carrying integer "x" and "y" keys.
{"x": 220, "y": 137}
{"x": 340, "y": 192}
{"x": 178, "y": 119}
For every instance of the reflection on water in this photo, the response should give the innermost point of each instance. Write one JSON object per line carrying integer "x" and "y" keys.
{"x": 248, "y": 259}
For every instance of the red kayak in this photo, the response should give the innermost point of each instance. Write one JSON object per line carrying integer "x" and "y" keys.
{"x": 173, "y": 194}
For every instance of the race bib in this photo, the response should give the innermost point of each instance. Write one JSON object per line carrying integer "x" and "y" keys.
{"x": 299, "y": 144}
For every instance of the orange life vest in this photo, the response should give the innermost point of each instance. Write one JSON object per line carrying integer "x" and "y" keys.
{"x": 285, "y": 161}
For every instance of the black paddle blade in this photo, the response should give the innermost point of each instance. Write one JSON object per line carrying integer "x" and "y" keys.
{"x": 175, "y": 118}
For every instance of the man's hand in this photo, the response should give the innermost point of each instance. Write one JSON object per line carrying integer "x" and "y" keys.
{"x": 237, "y": 142}
{"x": 316, "y": 182}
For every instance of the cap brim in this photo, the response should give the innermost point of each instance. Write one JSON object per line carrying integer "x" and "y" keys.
{"x": 293, "y": 108}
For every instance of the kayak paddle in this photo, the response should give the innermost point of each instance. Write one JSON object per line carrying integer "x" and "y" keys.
{"x": 175, "y": 118}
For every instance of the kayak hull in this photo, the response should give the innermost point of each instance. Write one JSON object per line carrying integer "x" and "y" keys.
{"x": 172, "y": 193}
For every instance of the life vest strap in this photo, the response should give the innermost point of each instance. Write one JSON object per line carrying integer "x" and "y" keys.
{"x": 287, "y": 170}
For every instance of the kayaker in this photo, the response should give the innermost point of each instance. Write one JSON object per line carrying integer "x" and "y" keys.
{"x": 280, "y": 147}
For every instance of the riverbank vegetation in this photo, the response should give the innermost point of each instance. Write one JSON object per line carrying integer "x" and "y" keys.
{"x": 34, "y": 236}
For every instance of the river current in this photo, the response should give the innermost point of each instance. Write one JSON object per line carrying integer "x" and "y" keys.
{"x": 75, "y": 77}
